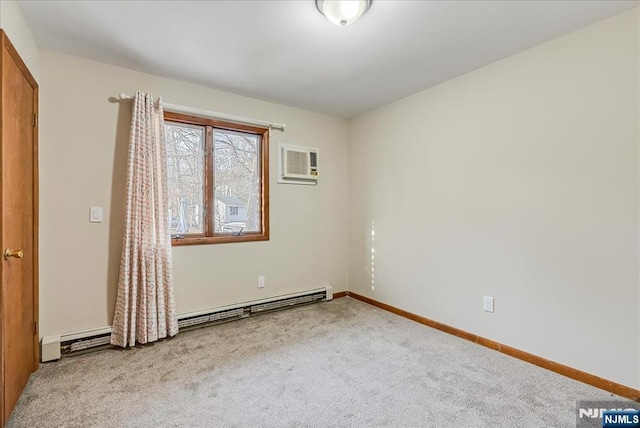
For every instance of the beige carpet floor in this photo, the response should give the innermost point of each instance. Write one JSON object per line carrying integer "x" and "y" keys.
{"x": 337, "y": 364}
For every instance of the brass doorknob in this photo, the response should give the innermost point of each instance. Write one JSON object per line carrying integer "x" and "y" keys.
{"x": 18, "y": 254}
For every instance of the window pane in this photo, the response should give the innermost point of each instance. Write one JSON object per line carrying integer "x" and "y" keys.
{"x": 237, "y": 182}
{"x": 185, "y": 171}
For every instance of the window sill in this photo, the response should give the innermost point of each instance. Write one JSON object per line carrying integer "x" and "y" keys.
{"x": 220, "y": 239}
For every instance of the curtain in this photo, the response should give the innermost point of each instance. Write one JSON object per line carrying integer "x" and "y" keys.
{"x": 145, "y": 305}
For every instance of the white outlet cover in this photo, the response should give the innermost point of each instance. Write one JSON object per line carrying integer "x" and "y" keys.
{"x": 488, "y": 304}
{"x": 95, "y": 215}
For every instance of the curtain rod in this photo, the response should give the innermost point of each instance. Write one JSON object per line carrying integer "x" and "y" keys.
{"x": 215, "y": 115}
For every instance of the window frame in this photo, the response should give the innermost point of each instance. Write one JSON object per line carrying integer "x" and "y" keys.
{"x": 209, "y": 235}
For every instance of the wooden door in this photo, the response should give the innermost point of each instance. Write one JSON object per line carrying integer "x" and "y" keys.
{"x": 18, "y": 227}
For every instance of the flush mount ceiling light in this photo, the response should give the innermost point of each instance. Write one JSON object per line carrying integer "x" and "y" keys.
{"x": 343, "y": 12}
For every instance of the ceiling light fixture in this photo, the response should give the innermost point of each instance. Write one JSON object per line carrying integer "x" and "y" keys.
{"x": 343, "y": 12}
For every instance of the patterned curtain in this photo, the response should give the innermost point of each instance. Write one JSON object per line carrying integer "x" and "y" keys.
{"x": 145, "y": 305}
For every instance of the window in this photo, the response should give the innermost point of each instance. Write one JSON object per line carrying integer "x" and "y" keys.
{"x": 218, "y": 180}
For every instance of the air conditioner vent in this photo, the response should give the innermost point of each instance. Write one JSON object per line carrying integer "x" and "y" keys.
{"x": 297, "y": 163}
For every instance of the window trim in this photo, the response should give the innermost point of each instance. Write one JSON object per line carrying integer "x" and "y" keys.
{"x": 210, "y": 237}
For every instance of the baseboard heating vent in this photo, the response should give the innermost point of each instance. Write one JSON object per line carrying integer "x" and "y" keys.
{"x": 54, "y": 347}
{"x": 76, "y": 346}
{"x": 285, "y": 303}
{"x": 200, "y": 320}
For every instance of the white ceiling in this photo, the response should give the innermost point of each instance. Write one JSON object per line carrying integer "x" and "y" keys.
{"x": 285, "y": 51}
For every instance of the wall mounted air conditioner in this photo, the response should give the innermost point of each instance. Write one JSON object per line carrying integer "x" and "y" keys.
{"x": 298, "y": 165}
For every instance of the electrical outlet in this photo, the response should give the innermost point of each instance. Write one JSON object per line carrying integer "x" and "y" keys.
{"x": 487, "y": 304}
{"x": 261, "y": 282}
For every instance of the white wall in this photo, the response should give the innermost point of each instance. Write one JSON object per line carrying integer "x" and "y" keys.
{"x": 518, "y": 181}
{"x": 83, "y": 148}
{"x": 14, "y": 25}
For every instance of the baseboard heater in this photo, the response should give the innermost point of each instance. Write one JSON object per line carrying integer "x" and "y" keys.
{"x": 54, "y": 347}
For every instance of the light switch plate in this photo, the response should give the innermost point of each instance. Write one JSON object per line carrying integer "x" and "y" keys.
{"x": 95, "y": 215}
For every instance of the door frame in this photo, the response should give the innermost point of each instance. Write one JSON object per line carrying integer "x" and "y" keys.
{"x": 5, "y": 44}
